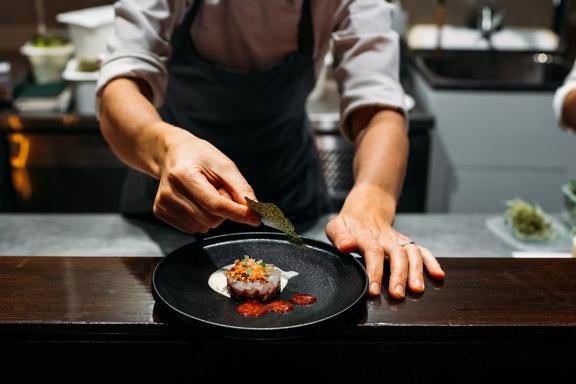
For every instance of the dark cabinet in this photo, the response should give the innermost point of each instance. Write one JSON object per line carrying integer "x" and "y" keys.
{"x": 64, "y": 165}
{"x": 70, "y": 172}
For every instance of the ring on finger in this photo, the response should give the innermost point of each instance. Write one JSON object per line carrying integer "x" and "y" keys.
{"x": 406, "y": 243}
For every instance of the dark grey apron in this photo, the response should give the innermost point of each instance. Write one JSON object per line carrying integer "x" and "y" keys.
{"x": 258, "y": 119}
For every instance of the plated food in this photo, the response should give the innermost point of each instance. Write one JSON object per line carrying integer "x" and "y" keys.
{"x": 182, "y": 294}
{"x": 249, "y": 279}
{"x": 303, "y": 299}
{"x": 218, "y": 280}
{"x": 256, "y": 284}
{"x": 256, "y": 309}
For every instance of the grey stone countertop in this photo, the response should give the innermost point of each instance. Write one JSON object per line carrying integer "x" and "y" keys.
{"x": 447, "y": 235}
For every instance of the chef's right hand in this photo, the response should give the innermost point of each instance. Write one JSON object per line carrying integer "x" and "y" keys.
{"x": 200, "y": 187}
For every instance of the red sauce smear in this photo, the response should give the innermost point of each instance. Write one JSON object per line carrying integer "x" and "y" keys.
{"x": 254, "y": 308}
{"x": 251, "y": 309}
{"x": 303, "y": 299}
{"x": 279, "y": 306}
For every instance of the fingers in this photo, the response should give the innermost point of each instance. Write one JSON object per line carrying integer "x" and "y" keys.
{"x": 235, "y": 183}
{"x": 339, "y": 235}
{"x": 224, "y": 193}
{"x": 208, "y": 197}
{"x": 202, "y": 193}
{"x": 186, "y": 211}
{"x": 374, "y": 258}
{"x": 432, "y": 265}
{"x": 415, "y": 269}
{"x": 189, "y": 226}
{"x": 398, "y": 271}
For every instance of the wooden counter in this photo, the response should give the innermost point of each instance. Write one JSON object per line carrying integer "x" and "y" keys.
{"x": 489, "y": 314}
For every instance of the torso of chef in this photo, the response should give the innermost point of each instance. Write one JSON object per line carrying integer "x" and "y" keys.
{"x": 247, "y": 38}
{"x": 251, "y": 37}
{"x": 248, "y": 35}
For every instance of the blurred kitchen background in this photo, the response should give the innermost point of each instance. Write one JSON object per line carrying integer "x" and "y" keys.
{"x": 479, "y": 95}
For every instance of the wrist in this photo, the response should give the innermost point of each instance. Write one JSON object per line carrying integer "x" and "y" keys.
{"x": 369, "y": 197}
{"x": 155, "y": 143}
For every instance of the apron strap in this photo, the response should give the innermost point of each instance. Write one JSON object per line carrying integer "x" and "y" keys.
{"x": 181, "y": 33}
{"x": 306, "y": 29}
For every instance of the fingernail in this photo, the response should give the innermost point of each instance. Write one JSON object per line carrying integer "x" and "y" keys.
{"x": 417, "y": 283}
{"x": 342, "y": 244}
{"x": 374, "y": 288}
{"x": 399, "y": 289}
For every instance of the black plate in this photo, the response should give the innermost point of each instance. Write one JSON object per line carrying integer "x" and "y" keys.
{"x": 338, "y": 280}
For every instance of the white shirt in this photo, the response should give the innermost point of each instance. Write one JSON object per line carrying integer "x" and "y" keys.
{"x": 247, "y": 35}
{"x": 562, "y": 92}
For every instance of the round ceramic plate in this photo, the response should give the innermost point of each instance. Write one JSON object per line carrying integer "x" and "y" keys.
{"x": 338, "y": 280}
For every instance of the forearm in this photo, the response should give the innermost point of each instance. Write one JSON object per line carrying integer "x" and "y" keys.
{"x": 569, "y": 110}
{"x": 132, "y": 126}
{"x": 381, "y": 155}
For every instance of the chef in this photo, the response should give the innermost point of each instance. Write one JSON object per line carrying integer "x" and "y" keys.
{"x": 565, "y": 102}
{"x": 206, "y": 100}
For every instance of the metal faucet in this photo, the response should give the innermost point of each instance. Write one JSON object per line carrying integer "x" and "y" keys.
{"x": 489, "y": 22}
{"x": 440, "y": 21}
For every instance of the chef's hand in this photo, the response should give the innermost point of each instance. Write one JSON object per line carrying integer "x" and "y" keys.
{"x": 364, "y": 225}
{"x": 200, "y": 187}
{"x": 569, "y": 112}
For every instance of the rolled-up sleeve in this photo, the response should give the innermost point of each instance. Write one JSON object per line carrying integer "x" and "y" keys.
{"x": 562, "y": 92}
{"x": 366, "y": 59}
{"x": 140, "y": 43}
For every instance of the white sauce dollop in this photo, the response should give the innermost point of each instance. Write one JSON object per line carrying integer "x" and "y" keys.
{"x": 217, "y": 280}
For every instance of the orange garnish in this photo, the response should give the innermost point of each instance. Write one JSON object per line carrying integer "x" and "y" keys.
{"x": 249, "y": 270}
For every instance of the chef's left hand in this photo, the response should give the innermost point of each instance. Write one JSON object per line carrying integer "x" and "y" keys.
{"x": 365, "y": 225}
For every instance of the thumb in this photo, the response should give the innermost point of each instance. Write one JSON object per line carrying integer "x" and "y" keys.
{"x": 236, "y": 185}
{"x": 339, "y": 235}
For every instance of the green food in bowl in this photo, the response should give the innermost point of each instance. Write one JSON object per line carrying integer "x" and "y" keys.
{"x": 49, "y": 41}
{"x": 528, "y": 221}
{"x": 569, "y": 192}
{"x": 88, "y": 66}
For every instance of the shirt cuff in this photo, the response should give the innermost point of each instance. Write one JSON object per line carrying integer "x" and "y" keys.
{"x": 559, "y": 97}
{"x": 138, "y": 66}
{"x": 395, "y": 101}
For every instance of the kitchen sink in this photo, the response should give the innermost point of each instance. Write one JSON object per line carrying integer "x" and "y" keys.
{"x": 491, "y": 70}
{"x": 425, "y": 36}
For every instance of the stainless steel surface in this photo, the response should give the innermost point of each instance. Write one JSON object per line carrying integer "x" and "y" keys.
{"x": 114, "y": 235}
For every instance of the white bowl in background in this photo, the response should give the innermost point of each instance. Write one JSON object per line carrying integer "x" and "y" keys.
{"x": 47, "y": 62}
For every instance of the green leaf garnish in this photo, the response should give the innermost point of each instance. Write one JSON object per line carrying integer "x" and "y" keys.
{"x": 273, "y": 216}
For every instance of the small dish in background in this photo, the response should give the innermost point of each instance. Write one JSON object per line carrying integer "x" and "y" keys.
{"x": 503, "y": 230}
